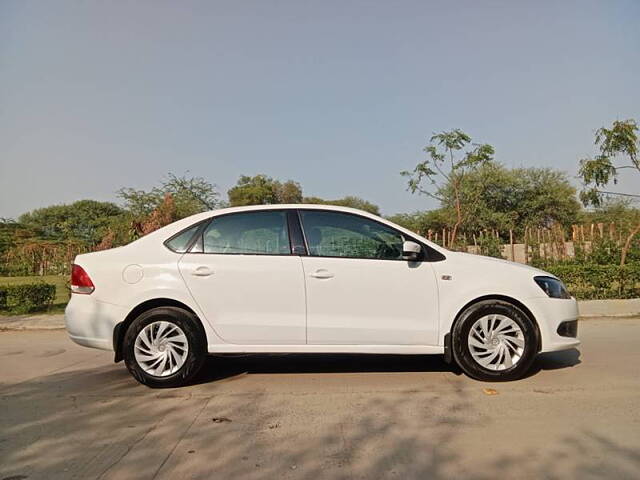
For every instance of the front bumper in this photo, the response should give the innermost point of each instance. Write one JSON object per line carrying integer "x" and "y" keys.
{"x": 552, "y": 314}
{"x": 90, "y": 322}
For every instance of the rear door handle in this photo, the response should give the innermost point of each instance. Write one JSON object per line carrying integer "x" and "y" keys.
{"x": 322, "y": 273}
{"x": 202, "y": 272}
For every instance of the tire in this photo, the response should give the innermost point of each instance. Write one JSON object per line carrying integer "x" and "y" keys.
{"x": 165, "y": 347}
{"x": 509, "y": 350}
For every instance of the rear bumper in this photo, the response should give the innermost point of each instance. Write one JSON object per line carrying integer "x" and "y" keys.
{"x": 90, "y": 322}
{"x": 551, "y": 313}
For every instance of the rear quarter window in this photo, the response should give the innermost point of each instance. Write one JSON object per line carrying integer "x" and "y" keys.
{"x": 180, "y": 243}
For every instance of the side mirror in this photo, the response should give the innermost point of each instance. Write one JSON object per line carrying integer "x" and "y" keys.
{"x": 411, "y": 251}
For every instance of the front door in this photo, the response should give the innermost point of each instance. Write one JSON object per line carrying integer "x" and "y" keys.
{"x": 245, "y": 280}
{"x": 359, "y": 289}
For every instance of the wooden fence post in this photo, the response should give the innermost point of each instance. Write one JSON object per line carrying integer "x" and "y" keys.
{"x": 513, "y": 248}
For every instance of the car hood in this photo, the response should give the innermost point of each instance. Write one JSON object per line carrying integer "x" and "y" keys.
{"x": 479, "y": 260}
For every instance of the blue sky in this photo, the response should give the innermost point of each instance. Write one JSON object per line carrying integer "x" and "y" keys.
{"x": 338, "y": 95}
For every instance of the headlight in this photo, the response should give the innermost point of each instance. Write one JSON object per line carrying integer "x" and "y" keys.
{"x": 552, "y": 287}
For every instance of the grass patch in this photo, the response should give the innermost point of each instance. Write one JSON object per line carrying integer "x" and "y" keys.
{"x": 62, "y": 290}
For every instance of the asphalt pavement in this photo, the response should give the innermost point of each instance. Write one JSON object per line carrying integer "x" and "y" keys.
{"x": 68, "y": 412}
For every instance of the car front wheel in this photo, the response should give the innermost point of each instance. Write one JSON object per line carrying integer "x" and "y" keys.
{"x": 164, "y": 347}
{"x": 494, "y": 340}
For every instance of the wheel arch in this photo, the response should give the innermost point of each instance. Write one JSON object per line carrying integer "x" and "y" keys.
{"x": 504, "y": 298}
{"x": 120, "y": 329}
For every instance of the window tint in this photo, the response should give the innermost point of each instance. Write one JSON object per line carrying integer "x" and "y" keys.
{"x": 334, "y": 234}
{"x": 180, "y": 242}
{"x": 250, "y": 233}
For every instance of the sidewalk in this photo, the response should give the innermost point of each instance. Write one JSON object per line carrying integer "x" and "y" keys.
{"x": 32, "y": 322}
{"x": 588, "y": 309}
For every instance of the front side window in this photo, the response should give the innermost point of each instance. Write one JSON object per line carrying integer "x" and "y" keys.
{"x": 256, "y": 233}
{"x": 335, "y": 234}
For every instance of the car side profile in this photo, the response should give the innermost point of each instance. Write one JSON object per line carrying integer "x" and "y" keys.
{"x": 310, "y": 279}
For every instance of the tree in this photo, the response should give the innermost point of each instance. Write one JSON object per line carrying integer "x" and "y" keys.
{"x": 129, "y": 228}
{"x": 84, "y": 220}
{"x": 502, "y": 199}
{"x": 423, "y": 221}
{"x": 10, "y": 233}
{"x": 289, "y": 192}
{"x": 263, "y": 190}
{"x": 348, "y": 201}
{"x": 447, "y": 164}
{"x": 191, "y": 195}
{"x": 618, "y": 150}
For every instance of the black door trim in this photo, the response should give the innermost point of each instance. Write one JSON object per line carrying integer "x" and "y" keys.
{"x": 296, "y": 237}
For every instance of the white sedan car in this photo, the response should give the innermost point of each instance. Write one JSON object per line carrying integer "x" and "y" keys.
{"x": 310, "y": 279}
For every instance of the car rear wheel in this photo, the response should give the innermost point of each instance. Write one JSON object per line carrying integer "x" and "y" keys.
{"x": 164, "y": 347}
{"x": 494, "y": 340}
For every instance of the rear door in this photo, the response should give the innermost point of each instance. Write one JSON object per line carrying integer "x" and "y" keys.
{"x": 242, "y": 274}
{"x": 359, "y": 289}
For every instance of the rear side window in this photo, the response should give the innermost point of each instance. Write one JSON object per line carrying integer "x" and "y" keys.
{"x": 180, "y": 242}
{"x": 254, "y": 233}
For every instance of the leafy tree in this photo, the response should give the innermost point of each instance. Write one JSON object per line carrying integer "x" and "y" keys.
{"x": 448, "y": 164}
{"x": 191, "y": 195}
{"x": 423, "y": 221}
{"x": 131, "y": 227}
{"x": 263, "y": 190}
{"x": 8, "y": 228}
{"x": 618, "y": 150}
{"x": 10, "y": 233}
{"x": 500, "y": 198}
{"x": 289, "y": 192}
{"x": 348, "y": 201}
{"x": 612, "y": 210}
{"x": 84, "y": 220}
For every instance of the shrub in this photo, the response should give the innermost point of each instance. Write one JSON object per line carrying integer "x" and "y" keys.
{"x": 593, "y": 281}
{"x": 27, "y": 297}
{"x": 490, "y": 245}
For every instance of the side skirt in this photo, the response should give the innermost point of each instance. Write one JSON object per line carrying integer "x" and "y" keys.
{"x": 388, "y": 349}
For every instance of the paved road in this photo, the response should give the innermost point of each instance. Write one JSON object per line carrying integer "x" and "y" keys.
{"x": 67, "y": 412}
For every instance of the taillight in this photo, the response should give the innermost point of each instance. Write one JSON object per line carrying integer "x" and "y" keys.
{"x": 80, "y": 281}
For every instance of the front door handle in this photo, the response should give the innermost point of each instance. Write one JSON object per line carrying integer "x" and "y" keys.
{"x": 322, "y": 273}
{"x": 202, "y": 272}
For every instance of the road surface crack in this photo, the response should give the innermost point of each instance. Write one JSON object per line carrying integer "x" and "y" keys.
{"x": 126, "y": 452}
{"x": 180, "y": 439}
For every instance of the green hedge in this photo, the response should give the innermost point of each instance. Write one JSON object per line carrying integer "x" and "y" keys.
{"x": 26, "y": 297}
{"x": 591, "y": 281}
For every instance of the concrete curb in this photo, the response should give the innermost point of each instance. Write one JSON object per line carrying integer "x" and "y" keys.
{"x": 32, "y": 322}
{"x": 609, "y": 308}
{"x": 20, "y": 328}
{"x": 589, "y": 309}
{"x": 619, "y": 315}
